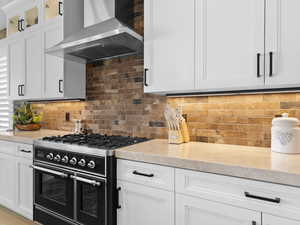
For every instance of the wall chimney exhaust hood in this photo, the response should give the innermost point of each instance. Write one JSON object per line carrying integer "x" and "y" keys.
{"x": 107, "y": 34}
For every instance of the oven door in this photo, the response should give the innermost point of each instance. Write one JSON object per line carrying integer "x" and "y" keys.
{"x": 54, "y": 190}
{"x": 90, "y": 200}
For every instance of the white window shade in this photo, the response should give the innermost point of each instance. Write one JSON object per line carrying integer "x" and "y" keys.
{"x": 5, "y": 105}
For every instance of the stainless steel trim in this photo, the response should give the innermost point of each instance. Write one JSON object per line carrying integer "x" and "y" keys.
{"x": 70, "y": 169}
{"x": 74, "y": 148}
{"x": 84, "y": 180}
{"x": 63, "y": 175}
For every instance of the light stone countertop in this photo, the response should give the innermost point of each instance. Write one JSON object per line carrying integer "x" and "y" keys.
{"x": 27, "y": 137}
{"x": 232, "y": 160}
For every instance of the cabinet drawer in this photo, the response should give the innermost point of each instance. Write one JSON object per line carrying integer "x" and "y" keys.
{"x": 146, "y": 174}
{"x": 255, "y": 195}
{"x": 7, "y": 147}
{"x": 25, "y": 151}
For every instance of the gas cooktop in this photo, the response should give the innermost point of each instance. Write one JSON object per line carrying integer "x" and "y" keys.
{"x": 96, "y": 140}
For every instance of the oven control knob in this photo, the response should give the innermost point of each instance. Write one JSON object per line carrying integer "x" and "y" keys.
{"x": 81, "y": 163}
{"x": 91, "y": 165}
{"x": 50, "y": 156}
{"x": 57, "y": 158}
{"x": 65, "y": 159}
{"x": 73, "y": 161}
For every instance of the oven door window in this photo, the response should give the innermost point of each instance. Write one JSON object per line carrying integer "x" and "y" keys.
{"x": 91, "y": 202}
{"x": 54, "y": 192}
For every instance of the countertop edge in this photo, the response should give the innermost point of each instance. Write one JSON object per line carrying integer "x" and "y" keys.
{"x": 263, "y": 175}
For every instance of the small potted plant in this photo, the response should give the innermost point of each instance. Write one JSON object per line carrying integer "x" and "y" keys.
{"x": 25, "y": 119}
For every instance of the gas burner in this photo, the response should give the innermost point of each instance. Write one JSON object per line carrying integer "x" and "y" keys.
{"x": 96, "y": 140}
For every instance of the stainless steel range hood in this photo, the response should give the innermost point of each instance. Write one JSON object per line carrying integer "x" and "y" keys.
{"x": 111, "y": 37}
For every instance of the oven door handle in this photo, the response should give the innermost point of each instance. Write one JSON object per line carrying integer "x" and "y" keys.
{"x": 88, "y": 181}
{"x": 63, "y": 175}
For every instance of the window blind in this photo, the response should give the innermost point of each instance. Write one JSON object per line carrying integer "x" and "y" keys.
{"x": 5, "y": 106}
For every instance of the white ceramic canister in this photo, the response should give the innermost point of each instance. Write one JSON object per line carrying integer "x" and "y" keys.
{"x": 285, "y": 135}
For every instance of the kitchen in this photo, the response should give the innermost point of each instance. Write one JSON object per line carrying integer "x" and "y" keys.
{"x": 121, "y": 166}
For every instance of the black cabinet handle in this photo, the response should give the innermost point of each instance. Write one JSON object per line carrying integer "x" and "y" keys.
{"x": 22, "y": 87}
{"x": 60, "y": 4}
{"x": 254, "y": 223}
{"x": 142, "y": 174}
{"x": 60, "y": 86}
{"x": 19, "y": 29}
{"x": 19, "y": 93}
{"x": 274, "y": 200}
{"x": 271, "y": 64}
{"x": 258, "y": 64}
{"x": 118, "y": 197}
{"x": 145, "y": 77}
{"x": 22, "y": 24}
{"x": 25, "y": 151}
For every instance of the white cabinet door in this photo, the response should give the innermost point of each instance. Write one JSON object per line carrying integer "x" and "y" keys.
{"x": 282, "y": 40}
{"x": 24, "y": 184}
{"x": 274, "y": 220}
{"x": 169, "y": 45}
{"x": 34, "y": 65}
{"x": 17, "y": 68}
{"x": 229, "y": 37}
{"x": 7, "y": 180}
{"x": 195, "y": 211}
{"x": 54, "y": 66}
{"x": 145, "y": 205}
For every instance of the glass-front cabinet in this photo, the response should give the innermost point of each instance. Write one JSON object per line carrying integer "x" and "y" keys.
{"x": 32, "y": 17}
{"x": 53, "y": 9}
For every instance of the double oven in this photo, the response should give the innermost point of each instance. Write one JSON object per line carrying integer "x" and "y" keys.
{"x": 67, "y": 193}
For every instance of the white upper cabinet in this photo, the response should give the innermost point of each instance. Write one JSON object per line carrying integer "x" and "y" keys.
{"x": 17, "y": 73}
{"x": 54, "y": 66}
{"x": 229, "y": 43}
{"x": 282, "y": 43}
{"x": 34, "y": 65}
{"x": 274, "y": 220}
{"x": 202, "y": 46}
{"x": 169, "y": 45}
{"x": 26, "y": 78}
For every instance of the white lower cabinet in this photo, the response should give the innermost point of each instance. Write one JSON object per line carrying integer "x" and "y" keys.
{"x": 145, "y": 205}
{"x": 195, "y": 211}
{"x": 24, "y": 194}
{"x": 275, "y": 220}
{"x": 196, "y": 198}
{"x": 16, "y": 178}
{"x": 7, "y": 180}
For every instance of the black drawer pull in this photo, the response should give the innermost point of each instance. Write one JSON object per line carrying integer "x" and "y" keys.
{"x": 60, "y": 4}
{"x": 254, "y": 223}
{"x": 118, "y": 198}
{"x": 258, "y": 65}
{"x": 142, "y": 174}
{"x": 274, "y": 200}
{"x": 271, "y": 64}
{"x": 25, "y": 151}
{"x": 60, "y": 84}
{"x": 145, "y": 78}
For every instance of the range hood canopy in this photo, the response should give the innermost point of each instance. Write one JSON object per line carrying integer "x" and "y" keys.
{"x": 107, "y": 39}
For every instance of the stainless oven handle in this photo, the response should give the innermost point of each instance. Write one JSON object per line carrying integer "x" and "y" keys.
{"x": 63, "y": 175}
{"x": 84, "y": 180}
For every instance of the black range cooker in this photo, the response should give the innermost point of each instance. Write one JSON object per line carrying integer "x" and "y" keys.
{"x": 75, "y": 179}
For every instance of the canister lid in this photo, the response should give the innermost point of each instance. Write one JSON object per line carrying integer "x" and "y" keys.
{"x": 286, "y": 121}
